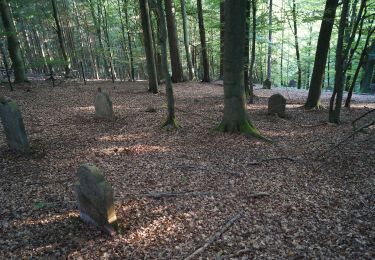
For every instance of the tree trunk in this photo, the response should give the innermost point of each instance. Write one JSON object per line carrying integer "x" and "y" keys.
{"x": 253, "y": 45}
{"x": 177, "y": 74}
{"x": 202, "y": 34}
{"x": 186, "y": 39}
{"x": 246, "y": 50}
{"x": 269, "y": 56}
{"x": 67, "y": 64}
{"x": 359, "y": 66}
{"x": 336, "y": 99}
{"x": 321, "y": 54}
{"x": 369, "y": 69}
{"x": 222, "y": 31}
{"x": 295, "y": 32}
{"x": 171, "y": 120}
{"x": 130, "y": 47}
{"x": 235, "y": 118}
{"x": 149, "y": 49}
{"x": 13, "y": 43}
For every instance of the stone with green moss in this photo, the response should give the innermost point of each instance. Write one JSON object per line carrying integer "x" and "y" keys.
{"x": 13, "y": 125}
{"x": 95, "y": 199}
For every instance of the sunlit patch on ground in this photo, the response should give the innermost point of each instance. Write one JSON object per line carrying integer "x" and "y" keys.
{"x": 131, "y": 150}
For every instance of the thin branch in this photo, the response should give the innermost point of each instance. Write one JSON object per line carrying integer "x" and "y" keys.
{"x": 216, "y": 236}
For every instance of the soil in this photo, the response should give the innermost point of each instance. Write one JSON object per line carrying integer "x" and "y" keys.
{"x": 294, "y": 200}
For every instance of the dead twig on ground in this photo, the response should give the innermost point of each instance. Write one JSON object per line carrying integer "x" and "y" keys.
{"x": 271, "y": 159}
{"x": 213, "y": 238}
{"x": 159, "y": 195}
{"x": 362, "y": 116}
{"x": 346, "y": 138}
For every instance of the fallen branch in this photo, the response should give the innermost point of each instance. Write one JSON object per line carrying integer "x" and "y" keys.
{"x": 258, "y": 195}
{"x": 362, "y": 116}
{"x": 159, "y": 195}
{"x": 213, "y": 238}
{"x": 349, "y": 136}
{"x": 271, "y": 159}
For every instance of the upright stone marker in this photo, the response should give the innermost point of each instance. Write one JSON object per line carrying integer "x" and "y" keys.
{"x": 14, "y": 128}
{"x": 95, "y": 199}
{"x": 103, "y": 106}
{"x": 276, "y": 105}
{"x": 267, "y": 84}
{"x": 292, "y": 84}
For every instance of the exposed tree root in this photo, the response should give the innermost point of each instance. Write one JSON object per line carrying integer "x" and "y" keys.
{"x": 171, "y": 124}
{"x": 245, "y": 127}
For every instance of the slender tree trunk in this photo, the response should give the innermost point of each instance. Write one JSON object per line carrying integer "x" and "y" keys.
{"x": 130, "y": 47}
{"x": 369, "y": 69}
{"x": 109, "y": 46}
{"x": 13, "y": 43}
{"x": 186, "y": 39}
{"x": 67, "y": 65}
{"x": 253, "y": 45}
{"x": 360, "y": 63}
{"x": 322, "y": 49}
{"x": 235, "y": 118}
{"x": 295, "y": 32}
{"x": 336, "y": 99}
{"x": 282, "y": 44}
{"x": 202, "y": 34}
{"x": 269, "y": 56}
{"x": 148, "y": 45}
{"x": 246, "y": 50}
{"x": 222, "y": 31}
{"x": 177, "y": 74}
{"x": 171, "y": 120}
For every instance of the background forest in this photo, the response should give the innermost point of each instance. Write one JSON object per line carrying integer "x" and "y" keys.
{"x": 104, "y": 37}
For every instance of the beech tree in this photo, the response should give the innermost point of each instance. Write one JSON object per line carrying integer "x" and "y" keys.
{"x": 321, "y": 54}
{"x": 13, "y": 43}
{"x": 235, "y": 118}
{"x": 202, "y": 35}
{"x": 148, "y": 45}
{"x": 171, "y": 120}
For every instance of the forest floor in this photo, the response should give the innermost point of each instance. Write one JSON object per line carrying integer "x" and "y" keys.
{"x": 293, "y": 200}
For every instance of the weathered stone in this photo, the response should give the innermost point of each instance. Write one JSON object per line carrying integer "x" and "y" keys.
{"x": 267, "y": 84}
{"x": 103, "y": 106}
{"x": 150, "y": 110}
{"x": 14, "y": 128}
{"x": 95, "y": 199}
{"x": 292, "y": 84}
{"x": 276, "y": 105}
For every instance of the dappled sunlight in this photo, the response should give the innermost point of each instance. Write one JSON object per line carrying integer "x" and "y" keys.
{"x": 124, "y": 137}
{"x": 44, "y": 220}
{"x": 83, "y": 109}
{"x": 131, "y": 150}
{"x": 159, "y": 229}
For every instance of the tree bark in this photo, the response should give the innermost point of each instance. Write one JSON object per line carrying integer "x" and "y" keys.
{"x": 253, "y": 45}
{"x": 269, "y": 56}
{"x": 321, "y": 54}
{"x": 13, "y": 43}
{"x": 369, "y": 69}
{"x": 130, "y": 47}
{"x": 202, "y": 34}
{"x": 186, "y": 39}
{"x": 222, "y": 32}
{"x": 67, "y": 64}
{"x": 246, "y": 50}
{"x": 148, "y": 45}
{"x": 171, "y": 120}
{"x": 295, "y": 32}
{"x": 235, "y": 118}
{"x": 359, "y": 66}
{"x": 177, "y": 74}
{"x": 336, "y": 99}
